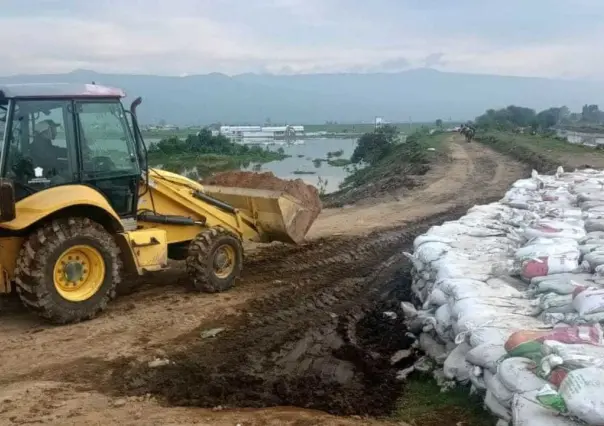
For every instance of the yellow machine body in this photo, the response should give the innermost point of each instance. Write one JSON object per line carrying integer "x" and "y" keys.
{"x": 257, "y": 215}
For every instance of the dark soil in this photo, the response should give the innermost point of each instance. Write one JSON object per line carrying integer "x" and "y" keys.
{"x": 322, "y": 343}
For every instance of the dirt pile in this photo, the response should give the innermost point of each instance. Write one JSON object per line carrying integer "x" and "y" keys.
{"x": 307, "y": 195}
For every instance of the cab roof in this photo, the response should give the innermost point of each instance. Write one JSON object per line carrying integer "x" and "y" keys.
{"x": 59, "y": 90}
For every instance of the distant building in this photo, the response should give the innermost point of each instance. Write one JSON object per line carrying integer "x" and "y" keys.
{"x": 250, "y": 132}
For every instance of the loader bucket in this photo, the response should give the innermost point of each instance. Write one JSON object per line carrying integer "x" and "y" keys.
{"x": 279, "y": 215}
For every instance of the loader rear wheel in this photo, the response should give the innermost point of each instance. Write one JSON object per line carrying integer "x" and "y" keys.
{"x": 215, "y": 260}
{"x": 68, "y": 270}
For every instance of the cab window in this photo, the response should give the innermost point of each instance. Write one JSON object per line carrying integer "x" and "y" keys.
{"x": 41, "y": 150}
{"x": 107, "y": 145}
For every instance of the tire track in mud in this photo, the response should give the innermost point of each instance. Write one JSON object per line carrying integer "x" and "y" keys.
{"x": 321, "y": 343}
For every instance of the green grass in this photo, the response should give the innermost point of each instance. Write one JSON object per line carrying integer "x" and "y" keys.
{"x": 339, "y": 162}
{"x": 544, "y": 153}
{"x": 164, "y": 134}
{"x": 403, "y": 159}
{"x": 424, "y": 404}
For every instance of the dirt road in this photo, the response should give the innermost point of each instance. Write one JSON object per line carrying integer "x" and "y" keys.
{"x": 303, "y": 327}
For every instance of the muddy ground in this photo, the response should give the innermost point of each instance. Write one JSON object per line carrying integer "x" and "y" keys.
{"x": 304, "y": 327}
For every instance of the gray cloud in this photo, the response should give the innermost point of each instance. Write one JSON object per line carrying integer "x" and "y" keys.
{"x": 294, "y": 36}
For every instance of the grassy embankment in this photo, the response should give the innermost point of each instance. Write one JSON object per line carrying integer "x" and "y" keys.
{"x": 542, "y": 152}
{"x": 396, "y": 167}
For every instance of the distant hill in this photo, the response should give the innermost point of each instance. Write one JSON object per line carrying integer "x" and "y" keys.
{"x": 422, "y": 94}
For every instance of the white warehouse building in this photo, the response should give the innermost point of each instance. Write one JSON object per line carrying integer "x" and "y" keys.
{"x": 277, "y": 132}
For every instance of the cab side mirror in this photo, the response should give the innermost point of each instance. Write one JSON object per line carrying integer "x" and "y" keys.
{"x": 7, "y": 201}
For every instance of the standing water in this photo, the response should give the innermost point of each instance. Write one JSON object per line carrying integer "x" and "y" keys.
{"x": 305, "y": 162}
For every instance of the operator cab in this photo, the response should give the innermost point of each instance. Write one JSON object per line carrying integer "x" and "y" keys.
{"x": 58, "y": 134}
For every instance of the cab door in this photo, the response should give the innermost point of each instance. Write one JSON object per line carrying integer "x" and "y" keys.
{"x": 107, "y": 153}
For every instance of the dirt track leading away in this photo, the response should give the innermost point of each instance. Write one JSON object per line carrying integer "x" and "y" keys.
{"x": 301, "y": 328}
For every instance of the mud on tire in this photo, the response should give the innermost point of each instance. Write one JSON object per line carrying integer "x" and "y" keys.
{"x": 202, "y": 256}
{"x": 35, "y": 264}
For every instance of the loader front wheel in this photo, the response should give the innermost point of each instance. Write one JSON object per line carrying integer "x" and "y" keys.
{"x": 215, "y": 260}
{"x": 68, "y": 270}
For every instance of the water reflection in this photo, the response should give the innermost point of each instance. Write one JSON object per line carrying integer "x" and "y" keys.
{"x": 308, "y": 160}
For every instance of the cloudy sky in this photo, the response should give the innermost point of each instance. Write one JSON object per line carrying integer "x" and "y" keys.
{"x": 551, "y": 38}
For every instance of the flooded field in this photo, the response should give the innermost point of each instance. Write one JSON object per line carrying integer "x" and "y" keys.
{"x": 308, "y": 160}
{"x": 305, "y": 163}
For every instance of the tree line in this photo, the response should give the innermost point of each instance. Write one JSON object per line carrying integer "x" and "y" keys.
{"x": 205, "y": 142}
{"x": 516, "y": 117}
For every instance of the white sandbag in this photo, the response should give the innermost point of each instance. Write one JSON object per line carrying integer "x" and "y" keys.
{"x": 417, "y": 264}
{"x": 494, "y": 385}
{"x": 560, "y": 283}
{"x": 486, "y": 356}
{"x": 555, "y": 318}
{"x": 477, "y": 271}
{"x": 427, "y": 238}
{"x": 435, "y": 350}
{"x": 430, "y": 252}
{"x": 555, "y": 229}
{"x": 555, "y": 247}
{"x": 577, "y": 277}
{"x": 592, "y": 225}
{"x": 443, "y": 322}
{"x": 527, "y": 411}
{"x": 582, "y": 392}
{"x": 456, "y": 366}
{"x": 487, "y": 335}
{"x": 553, "y": 300}
{"x": 532, "y": 184}
{"x": 494, "y": 406}
{"x": 409, "y": 310}
{"x": 477, "y": 378}
{"x": 573, "y": 356}
{"x": 443, "y": 315}
{"x": 589, "y": 301}
{"x": 517, "y": 375}
{"x": 595, "y": 258}
{"x": 436, "y": 298}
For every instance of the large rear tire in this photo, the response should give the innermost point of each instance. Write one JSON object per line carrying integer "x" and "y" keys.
{"x": 68, "y": 270}
{"x": 215, "y": 260}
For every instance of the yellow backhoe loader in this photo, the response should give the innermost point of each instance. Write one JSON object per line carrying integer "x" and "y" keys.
{"x": 79, "y": 206}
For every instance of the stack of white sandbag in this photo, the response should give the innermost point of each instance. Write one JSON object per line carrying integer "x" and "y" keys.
{"x": 532, "y": 261}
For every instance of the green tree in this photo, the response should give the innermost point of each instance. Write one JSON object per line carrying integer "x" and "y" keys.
{"x": 591, "y": 114}
{"x": 374, "y": 146}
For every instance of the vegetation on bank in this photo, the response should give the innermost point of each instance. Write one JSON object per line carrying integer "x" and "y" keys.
{"x": 542, "y": 152}
{"x": 531, "y": 136}
{"x": 382, "y": 161}
{"x": 424, "y": 404}
{"x": 207, "y": 153}
{"x": 527, "y": 120}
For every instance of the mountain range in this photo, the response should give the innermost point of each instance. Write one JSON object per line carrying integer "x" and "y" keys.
{"x": 420, "y": 95}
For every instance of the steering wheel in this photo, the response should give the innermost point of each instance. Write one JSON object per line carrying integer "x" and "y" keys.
{"x": 103, "y": 164}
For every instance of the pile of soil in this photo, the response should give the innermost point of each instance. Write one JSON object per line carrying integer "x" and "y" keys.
{"x": 307, "y": 195}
